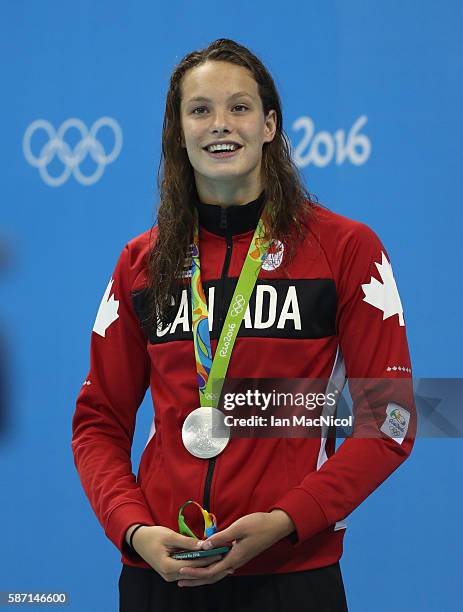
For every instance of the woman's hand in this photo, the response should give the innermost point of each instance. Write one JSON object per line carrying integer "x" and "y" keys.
{"x": 155, "y": 545}
{"x": 248, "y": 537}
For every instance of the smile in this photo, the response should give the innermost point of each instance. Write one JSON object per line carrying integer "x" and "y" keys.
{"x": 223, "y": 154}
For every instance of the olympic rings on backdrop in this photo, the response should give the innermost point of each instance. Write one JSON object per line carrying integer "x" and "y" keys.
{"x": 71, "y": 158}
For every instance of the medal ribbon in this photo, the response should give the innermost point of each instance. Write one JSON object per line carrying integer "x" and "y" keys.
{"x": 214, "y": 370}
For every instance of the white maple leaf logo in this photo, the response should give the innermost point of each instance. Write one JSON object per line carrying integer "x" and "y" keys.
{"x": 107, "y": 312}
{"x": 385, "y": 295}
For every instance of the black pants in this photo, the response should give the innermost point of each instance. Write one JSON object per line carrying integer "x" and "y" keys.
{"x": 317, "y": 590}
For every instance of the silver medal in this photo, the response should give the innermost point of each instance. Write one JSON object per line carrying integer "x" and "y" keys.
{"x": 204, "y": 432}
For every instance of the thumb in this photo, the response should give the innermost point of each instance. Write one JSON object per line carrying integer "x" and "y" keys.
{"x": 181, "y": 541}
{"x": 221, "y": 538}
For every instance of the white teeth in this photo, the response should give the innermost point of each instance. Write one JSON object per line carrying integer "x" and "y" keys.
{"x": 222, "y": 147}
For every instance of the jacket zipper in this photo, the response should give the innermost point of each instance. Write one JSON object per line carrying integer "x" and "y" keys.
{"x": 226, "y": 264}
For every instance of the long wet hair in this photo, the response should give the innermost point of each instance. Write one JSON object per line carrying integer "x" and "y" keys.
{"x": 289, "y": 202}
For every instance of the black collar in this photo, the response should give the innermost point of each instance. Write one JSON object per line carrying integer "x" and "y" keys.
{"x": 230, "y": 220}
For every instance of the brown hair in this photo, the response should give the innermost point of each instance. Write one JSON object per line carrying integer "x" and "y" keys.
{"x": 289, "y": 201}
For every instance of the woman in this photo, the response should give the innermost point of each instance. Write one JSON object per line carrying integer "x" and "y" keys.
{"x": 233, "y": 213}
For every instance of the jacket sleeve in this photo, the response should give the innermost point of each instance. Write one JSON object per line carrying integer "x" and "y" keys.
{"x": 372, "y": 339}
{"x": 104, "y": 421}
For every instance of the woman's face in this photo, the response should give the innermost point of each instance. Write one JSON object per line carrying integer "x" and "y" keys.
{"x": 221, "y": 104}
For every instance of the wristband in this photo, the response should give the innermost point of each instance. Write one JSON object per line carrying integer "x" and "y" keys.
{"x": 133, "y": 533}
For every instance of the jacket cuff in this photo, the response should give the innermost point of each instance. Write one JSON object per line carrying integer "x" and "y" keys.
{"x": 120, "y": 519}
{"x": 305, "y": 512}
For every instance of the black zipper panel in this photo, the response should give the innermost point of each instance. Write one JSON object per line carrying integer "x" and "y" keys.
{"x": 223, "y": 297}
{"x": 207, "y": 486}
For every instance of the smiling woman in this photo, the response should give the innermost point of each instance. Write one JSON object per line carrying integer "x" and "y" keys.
{"x": 229, "y": 125}
{"x": 244, "y": 276}
{"x": 218, "y": 95}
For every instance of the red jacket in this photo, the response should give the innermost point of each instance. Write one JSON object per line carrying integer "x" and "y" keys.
{"x": 333, "y": 311}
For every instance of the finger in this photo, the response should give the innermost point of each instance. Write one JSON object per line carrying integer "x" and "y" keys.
{"x": 221, "y": 538}
{"x": 176, "y": 540}
{"x": 232, "y": 561}
{"x": 194, "y": 582}
{"x": 206, "y": 573}
{"x": 173, "y": 566}
{"x": 204, "y": 562}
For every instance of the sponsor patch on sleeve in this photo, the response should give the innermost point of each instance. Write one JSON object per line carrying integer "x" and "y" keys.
{"x": 396, "y": 424}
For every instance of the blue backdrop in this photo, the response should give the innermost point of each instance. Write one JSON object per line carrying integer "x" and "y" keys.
{"x": 372, "y": 101}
